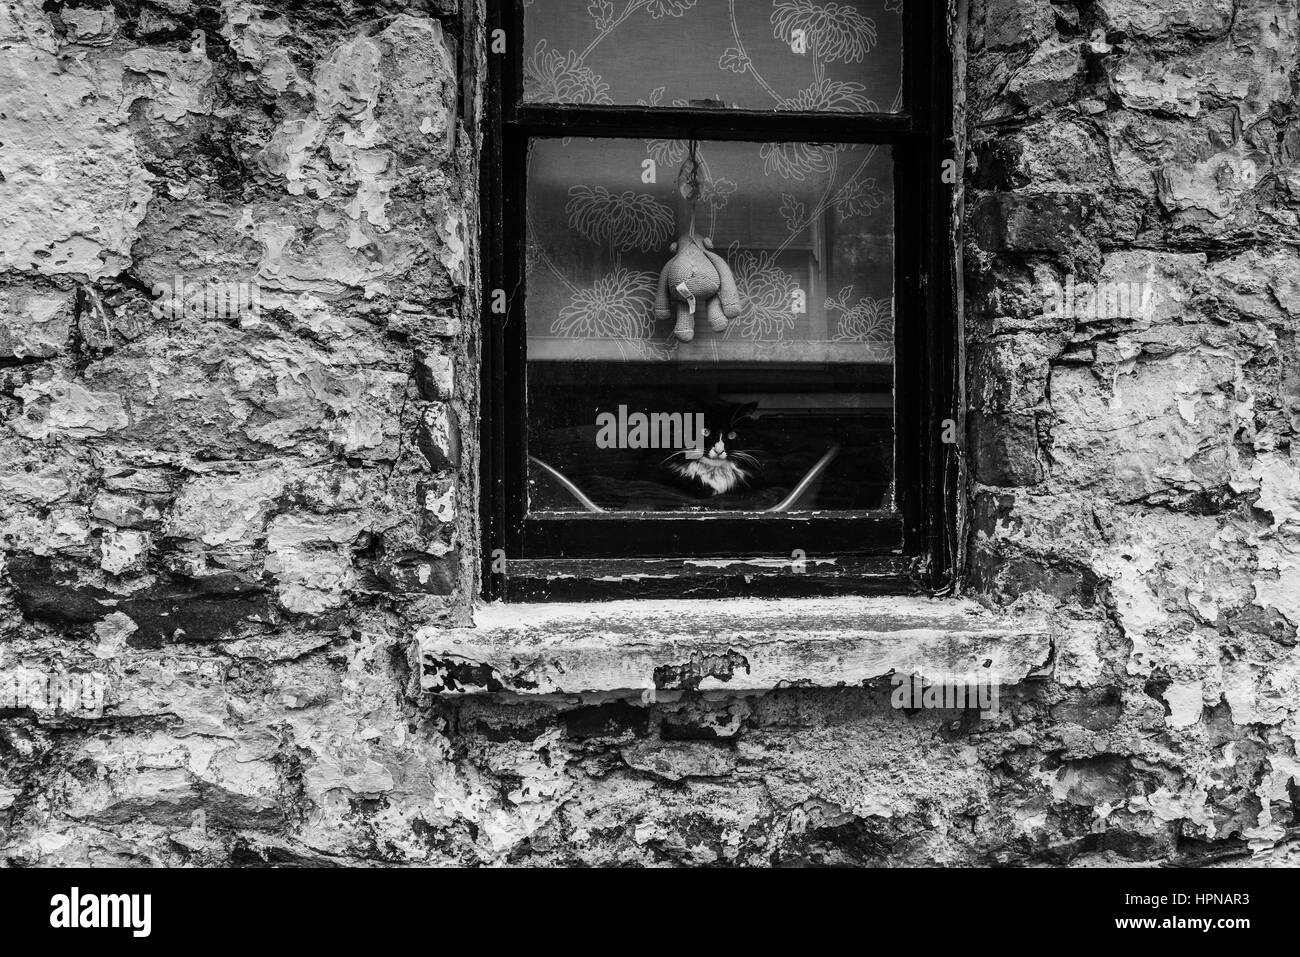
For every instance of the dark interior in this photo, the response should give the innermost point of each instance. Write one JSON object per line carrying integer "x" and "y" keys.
{"x": 802, "y": 413}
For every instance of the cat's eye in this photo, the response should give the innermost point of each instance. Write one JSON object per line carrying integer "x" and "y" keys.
{"x": 680, "y": 243}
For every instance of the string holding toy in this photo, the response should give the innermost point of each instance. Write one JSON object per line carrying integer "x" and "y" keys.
{"x": 688, "y": 174}
{"x": 688, "y": 180}
{"x": 694, "y": 271}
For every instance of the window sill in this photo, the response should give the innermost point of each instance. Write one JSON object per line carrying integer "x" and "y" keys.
{"x": 737, "y": 645}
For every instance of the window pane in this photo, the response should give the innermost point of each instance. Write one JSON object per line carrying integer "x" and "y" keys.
{"x": 795, "y": 358}
{"x": 743, "y": 54}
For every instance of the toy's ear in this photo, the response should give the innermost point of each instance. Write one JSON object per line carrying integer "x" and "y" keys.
{"x": 672, "y": 247}
{"x": 708, "y": 243}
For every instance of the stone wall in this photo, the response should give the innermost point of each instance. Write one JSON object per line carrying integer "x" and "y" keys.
{"x": 236, "y": 523}
{"x": 1136, "y": 470}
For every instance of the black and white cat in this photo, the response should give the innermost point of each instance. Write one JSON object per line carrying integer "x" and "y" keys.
{"x": 722, "y": 463}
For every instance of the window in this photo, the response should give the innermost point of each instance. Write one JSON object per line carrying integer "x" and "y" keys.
{"x": 718, "y": 330}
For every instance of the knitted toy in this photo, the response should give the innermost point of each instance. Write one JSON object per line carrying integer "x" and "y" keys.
{"x": 695, "y": 272}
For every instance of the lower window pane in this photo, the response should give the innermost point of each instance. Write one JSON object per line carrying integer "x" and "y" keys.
{"x": 710, "y": 326}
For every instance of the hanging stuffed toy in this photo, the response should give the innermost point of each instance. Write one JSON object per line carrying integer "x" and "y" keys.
{"x": 695, "y": 272}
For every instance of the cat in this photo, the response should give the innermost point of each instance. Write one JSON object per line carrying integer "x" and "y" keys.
{"x": 722, "y": 463}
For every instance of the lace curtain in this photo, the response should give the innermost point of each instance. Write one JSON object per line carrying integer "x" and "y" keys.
{"x": 747, "y": 54}
{"x": 806, "y": 228}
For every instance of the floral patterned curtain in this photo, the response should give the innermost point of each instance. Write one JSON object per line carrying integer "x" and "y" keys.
{"x": 747, "y": 54}
{"x": 807, "y": 229}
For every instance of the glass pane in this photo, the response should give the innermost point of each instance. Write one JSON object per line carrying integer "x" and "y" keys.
{"x": 775, "y": 391}
{"x": 744, "y": 54}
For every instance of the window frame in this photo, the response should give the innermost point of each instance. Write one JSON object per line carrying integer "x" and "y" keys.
{"x": 578, "y": 557}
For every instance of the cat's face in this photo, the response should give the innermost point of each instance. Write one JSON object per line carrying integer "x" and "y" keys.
{"x": 724, "y": 460}
{"x": 724, "y": 432}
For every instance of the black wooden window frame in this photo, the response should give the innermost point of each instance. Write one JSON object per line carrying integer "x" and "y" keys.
{"x": 613, "y": 555}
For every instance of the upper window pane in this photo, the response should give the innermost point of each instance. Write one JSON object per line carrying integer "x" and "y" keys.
{"x": 798, "y": 55}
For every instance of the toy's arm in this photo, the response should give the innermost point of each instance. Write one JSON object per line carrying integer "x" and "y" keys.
{"x": 728, "y": 294}
{"x": 661, "y": 297}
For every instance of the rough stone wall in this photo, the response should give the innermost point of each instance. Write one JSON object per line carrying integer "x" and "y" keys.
{"x": 1138, "y": 475}
{"x": 239, "y": 521}
{"x": 234, "y": 519}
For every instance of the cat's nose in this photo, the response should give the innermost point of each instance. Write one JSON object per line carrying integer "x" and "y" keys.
{"x": 718, "y": 450}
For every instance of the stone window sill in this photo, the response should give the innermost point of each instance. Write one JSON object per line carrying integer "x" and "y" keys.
{"x": 737, "y": 645}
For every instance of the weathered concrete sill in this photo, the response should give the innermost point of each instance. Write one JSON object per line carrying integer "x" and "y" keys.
{"x": 736, "y": 644}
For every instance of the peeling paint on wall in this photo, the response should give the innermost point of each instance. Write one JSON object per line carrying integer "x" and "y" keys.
{"x": 242, "y": 522}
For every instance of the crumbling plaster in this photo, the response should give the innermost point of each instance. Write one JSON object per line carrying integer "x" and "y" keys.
{"x": 241, "y": 524}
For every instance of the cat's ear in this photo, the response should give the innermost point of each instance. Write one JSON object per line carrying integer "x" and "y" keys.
{"x": 672, "y": 247}
{"x": 708, "y": 243}
{"x": 745, "y": 412}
